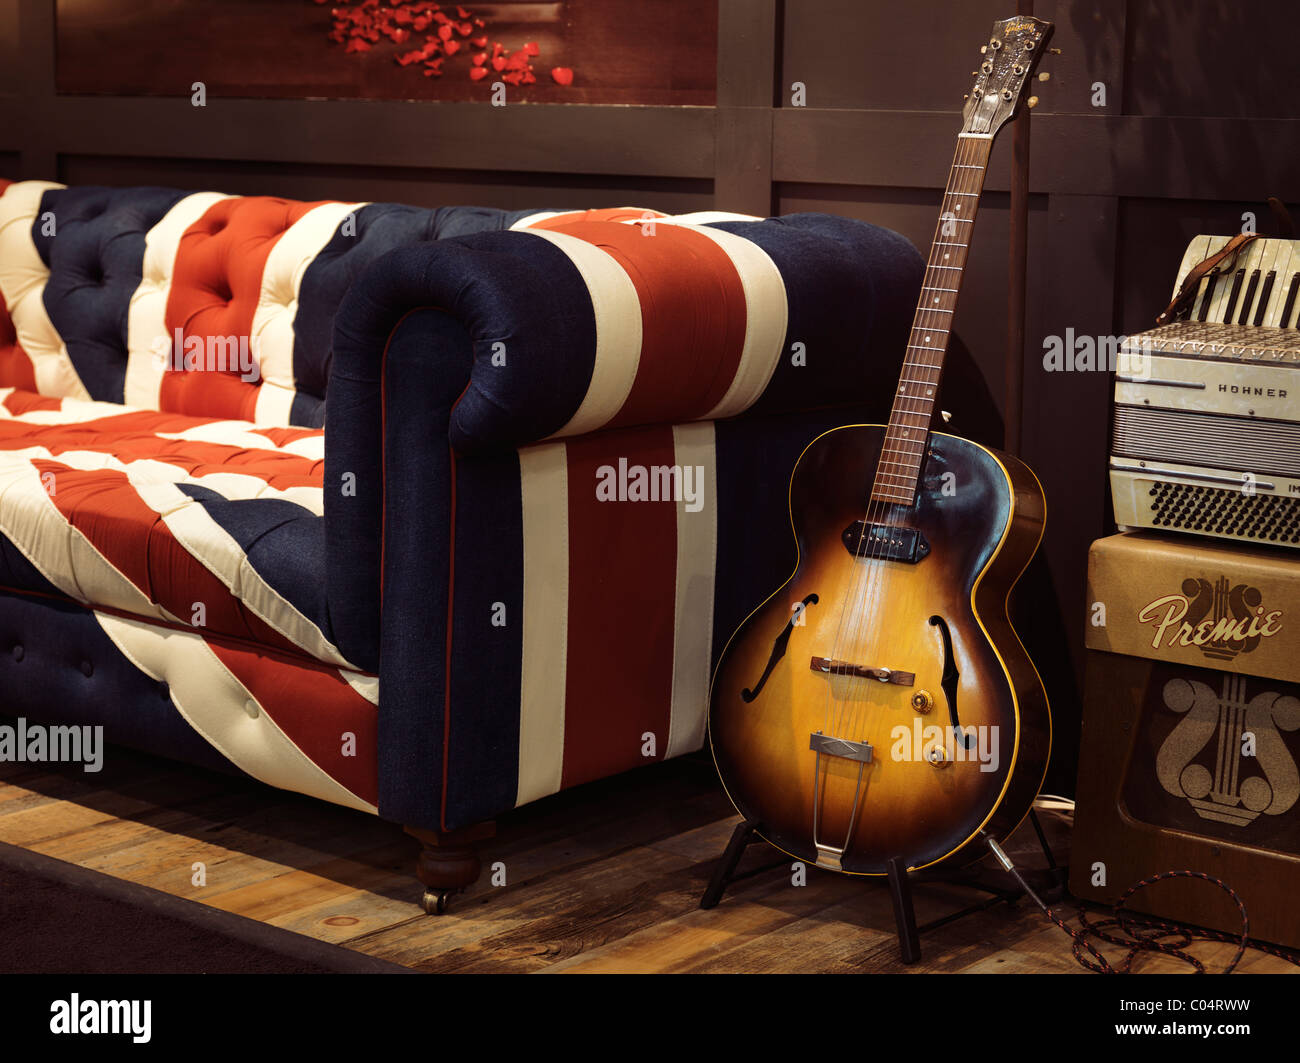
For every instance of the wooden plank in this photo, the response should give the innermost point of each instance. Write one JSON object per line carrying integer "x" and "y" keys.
{"x": 555, "y": 918}
{"x": 524, "y": 138}
{"x": 603, "y": 879}
{"x": 1126, "y": 155}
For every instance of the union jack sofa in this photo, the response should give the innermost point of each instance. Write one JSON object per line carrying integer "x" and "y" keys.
{"x": 429, "y": 513}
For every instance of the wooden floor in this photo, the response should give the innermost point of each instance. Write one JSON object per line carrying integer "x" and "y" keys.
{"x": 606, "y": 878}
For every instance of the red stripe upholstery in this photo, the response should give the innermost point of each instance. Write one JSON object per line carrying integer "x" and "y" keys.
{"x": 620, "y": 645}
{"x": 215, "y": 292}
{"x": 692, "y": 304}
{"x": 315, "y": 708}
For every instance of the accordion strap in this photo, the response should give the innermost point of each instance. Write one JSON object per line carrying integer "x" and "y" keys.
{"x": 1187, "y": 293}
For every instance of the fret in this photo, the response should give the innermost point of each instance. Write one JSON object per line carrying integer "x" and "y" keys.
{"x": 959, "y": 221}
{"x": 908, "y": 433}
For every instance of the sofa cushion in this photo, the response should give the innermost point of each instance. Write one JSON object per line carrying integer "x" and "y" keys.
{"x": 203, "y": 524}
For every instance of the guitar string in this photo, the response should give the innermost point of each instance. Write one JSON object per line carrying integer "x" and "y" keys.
{"x": 855, "y": 707}
{"x": 905, "y": 404}
{"x": 914, "y": 399}
{"x": 863, "y": 585}
{"x": 971, "y": 156}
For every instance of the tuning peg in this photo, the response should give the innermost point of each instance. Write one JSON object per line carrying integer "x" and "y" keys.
{"x": 966, "y": 97}
{"x": 1032, "y": 102}
{"x": 1044, "y": 76}
{"x": 974, "y": 73}
{"x": 983, "y": 49}
{"x": 1053, "y": 51}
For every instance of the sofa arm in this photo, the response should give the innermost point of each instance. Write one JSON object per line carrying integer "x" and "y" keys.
{"x": 450, "y": 356}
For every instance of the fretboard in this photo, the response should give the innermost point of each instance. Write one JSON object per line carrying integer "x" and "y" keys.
{"x": 908, "y": 432}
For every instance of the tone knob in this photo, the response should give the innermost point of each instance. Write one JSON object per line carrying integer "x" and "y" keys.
{"x": 923, "y": 701}
{"x": 937, "y": 756}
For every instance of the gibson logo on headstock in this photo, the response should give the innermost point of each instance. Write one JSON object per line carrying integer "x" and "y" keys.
{"x": 1222, "y": 619}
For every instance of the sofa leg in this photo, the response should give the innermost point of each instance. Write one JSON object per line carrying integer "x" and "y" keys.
{"x": 448, "y": 862}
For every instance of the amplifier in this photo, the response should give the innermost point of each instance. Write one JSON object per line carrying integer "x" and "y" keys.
{"x": 1191, "y": 732}
{"x": 1206, "y": 425}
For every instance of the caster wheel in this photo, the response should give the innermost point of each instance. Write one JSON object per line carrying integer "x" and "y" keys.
{"x": 435, "y": 901}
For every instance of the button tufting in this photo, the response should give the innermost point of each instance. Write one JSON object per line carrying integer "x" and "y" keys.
{"x": 87, "y": 669}
{"x": 164, "y": 691}
{"x": 18, "y": 652}
{"x": 251, "y": 708}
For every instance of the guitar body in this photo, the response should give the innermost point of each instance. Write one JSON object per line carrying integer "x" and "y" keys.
{"x": 980, "y": 515}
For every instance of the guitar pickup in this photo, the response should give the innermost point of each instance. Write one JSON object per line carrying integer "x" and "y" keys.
{"x": 839, "y": 747}
{"x": 885, "y": 542}
{"x": 882, "y": 675}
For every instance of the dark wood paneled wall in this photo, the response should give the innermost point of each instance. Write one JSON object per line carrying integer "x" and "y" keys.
{"x": 1199, "y": 126}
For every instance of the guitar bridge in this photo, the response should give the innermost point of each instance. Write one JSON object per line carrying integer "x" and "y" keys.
{"x": 860, "y": 671}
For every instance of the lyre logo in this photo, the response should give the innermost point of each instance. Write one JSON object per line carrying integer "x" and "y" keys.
{"x": 1222, "y": 619}
{"x": 1242, "y": 731}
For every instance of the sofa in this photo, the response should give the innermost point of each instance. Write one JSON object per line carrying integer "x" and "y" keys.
{"x": 430, "y": 513}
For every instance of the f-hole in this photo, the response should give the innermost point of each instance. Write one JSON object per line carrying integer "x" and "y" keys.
{"x": 949, "y": 682}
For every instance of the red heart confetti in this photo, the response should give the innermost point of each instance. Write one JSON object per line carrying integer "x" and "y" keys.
{"x": 359, "y": 25}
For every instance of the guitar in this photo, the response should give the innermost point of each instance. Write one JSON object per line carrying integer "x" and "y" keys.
{"x": 879, "y": 707}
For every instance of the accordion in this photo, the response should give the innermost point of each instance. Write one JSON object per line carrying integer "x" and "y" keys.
{"x": 1206, "y": 426}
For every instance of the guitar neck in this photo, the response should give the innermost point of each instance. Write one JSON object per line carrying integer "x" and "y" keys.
{"x": 908, "y": 432}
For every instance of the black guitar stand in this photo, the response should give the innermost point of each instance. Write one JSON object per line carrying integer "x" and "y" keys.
{"x": 1001, "y": 887}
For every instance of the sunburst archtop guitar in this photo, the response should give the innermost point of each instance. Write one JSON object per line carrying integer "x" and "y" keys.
{"x": 879, "y": 707}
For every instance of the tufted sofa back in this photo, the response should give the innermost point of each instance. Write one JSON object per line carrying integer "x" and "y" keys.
{"x": 194, "y": 303}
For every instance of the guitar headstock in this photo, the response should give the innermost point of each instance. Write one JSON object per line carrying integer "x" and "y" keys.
{"x": 1007, "y": 64}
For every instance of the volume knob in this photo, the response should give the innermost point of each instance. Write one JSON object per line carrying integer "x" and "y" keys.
{"x": 923, "y": 701}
